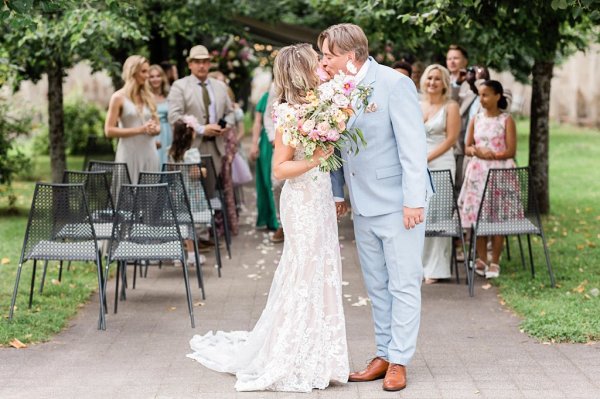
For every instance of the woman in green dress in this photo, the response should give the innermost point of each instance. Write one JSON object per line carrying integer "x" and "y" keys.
{"x": 262, "y": 152}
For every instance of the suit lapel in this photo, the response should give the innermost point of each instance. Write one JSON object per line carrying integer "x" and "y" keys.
{"x": 369, "y": 80}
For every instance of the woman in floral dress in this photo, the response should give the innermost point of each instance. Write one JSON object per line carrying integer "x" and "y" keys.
{"x": 492, "y": 142}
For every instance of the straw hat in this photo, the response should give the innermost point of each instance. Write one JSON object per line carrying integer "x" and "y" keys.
{"x": 198, "y": 53}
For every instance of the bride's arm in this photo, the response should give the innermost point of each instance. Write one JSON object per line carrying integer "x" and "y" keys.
{"x": 284, "y": 167}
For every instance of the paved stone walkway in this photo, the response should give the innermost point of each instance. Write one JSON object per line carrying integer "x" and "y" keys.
{"x": 468, "y": 347}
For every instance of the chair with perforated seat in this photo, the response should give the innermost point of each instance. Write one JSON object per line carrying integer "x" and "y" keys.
{"x": 146, "y": 229}
{"x": 443, "y": 219}
{"x": 509, "y": 207}
{"x": 60, "y": 228}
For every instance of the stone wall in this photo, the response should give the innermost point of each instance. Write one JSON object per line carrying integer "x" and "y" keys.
{"x": 575, "y": 96}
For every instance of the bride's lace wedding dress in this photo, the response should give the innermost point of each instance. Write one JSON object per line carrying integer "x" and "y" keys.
{"x": 299, "y": 342}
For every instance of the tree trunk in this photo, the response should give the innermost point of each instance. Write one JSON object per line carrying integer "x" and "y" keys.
{"x": 540, "y": 110}
{"x": 540, "y": 132}
{"x": 56, "y": 127}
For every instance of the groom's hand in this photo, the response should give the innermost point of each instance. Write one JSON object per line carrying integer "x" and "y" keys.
{"x": 413, "y": 216}
{"x": 341, "y": 208}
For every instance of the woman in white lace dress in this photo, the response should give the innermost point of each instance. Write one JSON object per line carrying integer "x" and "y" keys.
{"x": 299, "y": 342}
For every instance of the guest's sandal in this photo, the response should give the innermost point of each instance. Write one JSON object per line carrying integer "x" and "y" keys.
{"x": 493, "y": 271}
{"x": 481, "y": 267}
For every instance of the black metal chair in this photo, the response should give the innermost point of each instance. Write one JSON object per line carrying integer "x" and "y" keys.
{"x": 98, "y": 148}
{"x": 146, "y": 228}
{"x": 443, "y": 219}
{"x": 60, "y": 228}
{"x": 117, "y": 174}
{"x": 509, "y": 207}
{"x": 99, "y": 203}
{"x": 216, "y": 194}
{"x": 202, "y": 212}
{"x": 183, "y": 212}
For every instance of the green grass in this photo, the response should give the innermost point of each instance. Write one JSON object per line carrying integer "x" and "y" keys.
{"x": 570, "y": 312}
{"x": 60, "y": 301}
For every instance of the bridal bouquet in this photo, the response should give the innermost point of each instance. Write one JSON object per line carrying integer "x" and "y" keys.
{"x": 322, "y": 120}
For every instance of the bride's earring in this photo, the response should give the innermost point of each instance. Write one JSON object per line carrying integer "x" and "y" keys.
{"x": 351, "y": 67}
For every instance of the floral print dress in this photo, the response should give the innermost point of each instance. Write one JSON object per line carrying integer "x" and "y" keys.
{"x": 490, "y": 132}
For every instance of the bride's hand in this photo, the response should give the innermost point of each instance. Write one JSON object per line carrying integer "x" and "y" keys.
{"x": 321, "y": 154}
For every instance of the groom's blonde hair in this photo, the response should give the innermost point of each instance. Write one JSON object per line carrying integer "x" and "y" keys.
{"x": 346, "y": 37}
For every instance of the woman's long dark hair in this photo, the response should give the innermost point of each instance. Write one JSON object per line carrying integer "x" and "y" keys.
{"x": 498, "y": 89}
{"x": 182, "y": 140}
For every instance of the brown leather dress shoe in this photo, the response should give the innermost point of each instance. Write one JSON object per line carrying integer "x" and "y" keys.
{"x": 376, "y": 370}
{"x": 395, "y": 378}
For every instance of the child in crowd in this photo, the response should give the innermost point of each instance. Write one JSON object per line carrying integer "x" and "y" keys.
{"x": 181, "y": 150}
{"x": 492, "y": 142}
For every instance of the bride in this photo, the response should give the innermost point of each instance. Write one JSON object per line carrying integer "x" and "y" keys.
{"x": 299, "y": 342}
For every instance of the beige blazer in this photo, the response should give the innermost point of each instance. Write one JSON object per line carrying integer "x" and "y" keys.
{"x": 185, "y": 98}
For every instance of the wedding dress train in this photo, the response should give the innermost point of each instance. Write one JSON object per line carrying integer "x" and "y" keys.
{"x": 299, "y": 342}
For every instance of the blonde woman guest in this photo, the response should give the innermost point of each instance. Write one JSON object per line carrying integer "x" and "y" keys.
{"x": 132, "y": 118}
{"x": 159, "y": 84}
{"x": 442, "y": 125}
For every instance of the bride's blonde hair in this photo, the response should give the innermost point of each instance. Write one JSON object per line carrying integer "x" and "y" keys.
{"x": 295, "y": 73}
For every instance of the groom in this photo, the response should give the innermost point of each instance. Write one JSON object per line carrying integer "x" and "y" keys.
{"x": 389, "y": 186}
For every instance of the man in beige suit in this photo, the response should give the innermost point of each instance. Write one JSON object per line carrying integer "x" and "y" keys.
{"x": 205, "y": 98}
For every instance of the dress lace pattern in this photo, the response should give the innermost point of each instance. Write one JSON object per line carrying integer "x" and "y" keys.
{"x": 299, "y": 342}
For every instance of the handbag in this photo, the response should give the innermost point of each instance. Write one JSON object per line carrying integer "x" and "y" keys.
{"x": 240, "y": 170}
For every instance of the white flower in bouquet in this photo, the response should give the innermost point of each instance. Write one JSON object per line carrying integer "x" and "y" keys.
{"x": 321, "y": 121}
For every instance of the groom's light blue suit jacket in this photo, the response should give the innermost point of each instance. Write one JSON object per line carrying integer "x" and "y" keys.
{"x": 391, "y": 172}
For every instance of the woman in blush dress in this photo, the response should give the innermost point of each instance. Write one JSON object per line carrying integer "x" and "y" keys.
{"x": 132, "y": 118}
{"x": 492, "y": 142}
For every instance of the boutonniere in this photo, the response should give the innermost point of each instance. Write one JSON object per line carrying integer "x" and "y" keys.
{"x": 363, "y": 93}
{"x": 371, "y": 108}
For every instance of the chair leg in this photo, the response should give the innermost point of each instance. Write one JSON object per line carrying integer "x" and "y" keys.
{"x": 117, "y": 285}
{"x": 507, "y": 241}
{"x": 467, "y": 269}
{"x": 522, "y": 253}
{"x": 135, "y": 267}
{"x": 123, "y": 280}
{"x": 198, "y": 267}
{"x": 188, "y": 292}
{"x": 16, "y": 289}
{"x": 60, "y": 267}
{"x": 69, "y": 266}
{"x": 32, "y": 283}
{"x": 454, "y": 262}
{"x": 106, "y": 282}
{"x": 548, "y": 264}
{"x": 102, "y": 318}
{"x": 146, "y": 269}
{"x": 43, "y": 277}
{"x": 472, "y": 256}
{"x": 530, "y": 256}
{"x": 217, "y": 249}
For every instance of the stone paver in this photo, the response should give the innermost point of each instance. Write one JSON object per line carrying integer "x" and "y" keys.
{"x": 468, "y": 347}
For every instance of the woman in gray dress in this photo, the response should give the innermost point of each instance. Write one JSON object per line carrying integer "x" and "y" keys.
{"x": 132, "y": 118}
